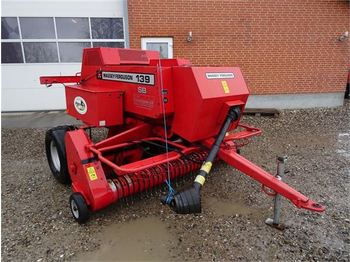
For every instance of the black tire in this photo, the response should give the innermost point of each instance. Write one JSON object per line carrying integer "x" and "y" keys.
{"x": 78, "y": 207}
{"x": 56, "y": 153}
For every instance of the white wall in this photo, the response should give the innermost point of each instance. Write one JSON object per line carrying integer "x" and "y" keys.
{"x": 20, "y": 87}
{"x": 295, "y": 101}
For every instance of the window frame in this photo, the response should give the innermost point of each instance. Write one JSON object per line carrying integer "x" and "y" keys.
{"x": 165, "y": 39}
{"x": 57, "y": 41}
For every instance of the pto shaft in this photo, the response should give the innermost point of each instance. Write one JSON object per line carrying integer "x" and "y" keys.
{"x": 188, "y": 201}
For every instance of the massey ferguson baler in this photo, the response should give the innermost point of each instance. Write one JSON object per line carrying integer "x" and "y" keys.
{"x": 165, "y": 119}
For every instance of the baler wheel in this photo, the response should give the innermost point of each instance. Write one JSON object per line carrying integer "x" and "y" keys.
{"x": 78, "y": 207}
{"x": 56, "y": 153}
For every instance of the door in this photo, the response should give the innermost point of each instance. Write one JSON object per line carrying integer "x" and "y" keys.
{"x": 162, "y": 44}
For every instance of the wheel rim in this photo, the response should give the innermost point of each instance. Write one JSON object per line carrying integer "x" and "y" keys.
{"x": 74, "y": 208}
{"x": 54, "y": 156}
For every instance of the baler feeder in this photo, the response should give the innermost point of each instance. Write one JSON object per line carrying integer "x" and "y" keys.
{"x": 165, "y": 119}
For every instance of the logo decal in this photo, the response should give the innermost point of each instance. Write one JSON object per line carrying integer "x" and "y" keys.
{"x": 142, "y": 90}
{"x": 136, "y": 78}
{"x": 80, "y": 105}
{"x": 223, "y": 75}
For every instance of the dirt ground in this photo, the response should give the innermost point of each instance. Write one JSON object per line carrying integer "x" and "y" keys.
{"x": 37, "y": 224}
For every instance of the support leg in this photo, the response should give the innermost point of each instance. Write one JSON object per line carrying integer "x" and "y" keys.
{"x": 275, "y": 221}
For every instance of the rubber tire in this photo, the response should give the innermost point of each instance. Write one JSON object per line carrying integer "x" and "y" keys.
{"x": 57, "y": 135}
{"x": 82, "y": 208}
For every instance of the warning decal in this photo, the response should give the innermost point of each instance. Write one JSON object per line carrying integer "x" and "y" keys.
{"x": 200, "y": 179}
{"x": 225, "y": 87}
{"x": 206, "y": 167}
{"x": 92, "y": 173}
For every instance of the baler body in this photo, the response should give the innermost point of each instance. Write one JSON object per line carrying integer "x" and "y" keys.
{"x": 162, "y": 117}
{"x": 195, "y": 99}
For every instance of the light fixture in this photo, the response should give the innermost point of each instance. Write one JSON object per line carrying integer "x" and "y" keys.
{"x": 344, "y": 36}
{"x": 189, "y": 37}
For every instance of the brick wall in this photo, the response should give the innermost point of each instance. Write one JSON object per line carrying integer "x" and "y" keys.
{"x": 284, "y": 46}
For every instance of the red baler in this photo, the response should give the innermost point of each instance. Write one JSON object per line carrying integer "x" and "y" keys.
{"x": 165, "y": 119}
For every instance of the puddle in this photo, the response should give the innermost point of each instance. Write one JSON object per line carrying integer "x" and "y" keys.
{"x": 223, "y": 207}
{"x": 145, "y": 239}
{"x": 344, "y": 144}
{"x": 344, "y": 153}
{"x": 344, "y": 147}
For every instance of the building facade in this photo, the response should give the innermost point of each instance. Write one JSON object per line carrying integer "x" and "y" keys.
{"x": 291, "y": 52}
{"x": 46, "y": 37}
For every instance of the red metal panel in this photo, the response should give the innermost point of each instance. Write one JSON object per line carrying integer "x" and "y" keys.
{"x": 94, "y": 106}
{"x": 170, "y": 62}
{"x": 99, "y": 57}
{"x": 199, "y": 100}
{"x": 140, "y": 99}
{"x": 89, "y": 178}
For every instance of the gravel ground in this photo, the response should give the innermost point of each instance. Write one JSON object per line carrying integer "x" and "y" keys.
{"x": 37, "y": 224}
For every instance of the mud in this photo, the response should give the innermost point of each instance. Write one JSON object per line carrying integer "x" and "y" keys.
{"x": 138, "y": 240}
{"x": 223, "y": 207}
{"x": 37, "y": 224}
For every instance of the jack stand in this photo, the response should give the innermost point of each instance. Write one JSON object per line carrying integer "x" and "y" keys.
{"x": 275, "y": 221}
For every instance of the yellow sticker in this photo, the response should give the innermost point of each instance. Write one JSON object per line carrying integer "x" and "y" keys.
{"x": 92, "y": 173}
{"x": 200, "y": 179}
{"x": 225, "y": 86}
{"x": 206, "y": 167}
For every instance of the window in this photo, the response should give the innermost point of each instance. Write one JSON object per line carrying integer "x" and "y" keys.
{"x": 37, "y": 27}
{"x": 108, "y": 44}
{"x": 72, "y": 28}
{"x": 11, "y": 53}
{"x": 57, "y": 39}
{"x": 41, "y": 52}
{"x": 72, "y": 52}
{"x": 107, "y": 28}
{"x": 9, "y": 28}
{"x": 161, "y": 47}
{"x": 162, "y": 44}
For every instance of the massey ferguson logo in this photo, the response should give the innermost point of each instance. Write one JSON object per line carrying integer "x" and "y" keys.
{"x": 222, "y": 75}
{"x": 135, "y": 78}
{"x": 80, "y": 105}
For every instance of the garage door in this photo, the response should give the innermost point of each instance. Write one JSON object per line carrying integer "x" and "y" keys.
{"x": 52, "y": 44}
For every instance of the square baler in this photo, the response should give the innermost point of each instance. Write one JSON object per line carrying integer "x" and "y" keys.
{"x": 165, "y": 119}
